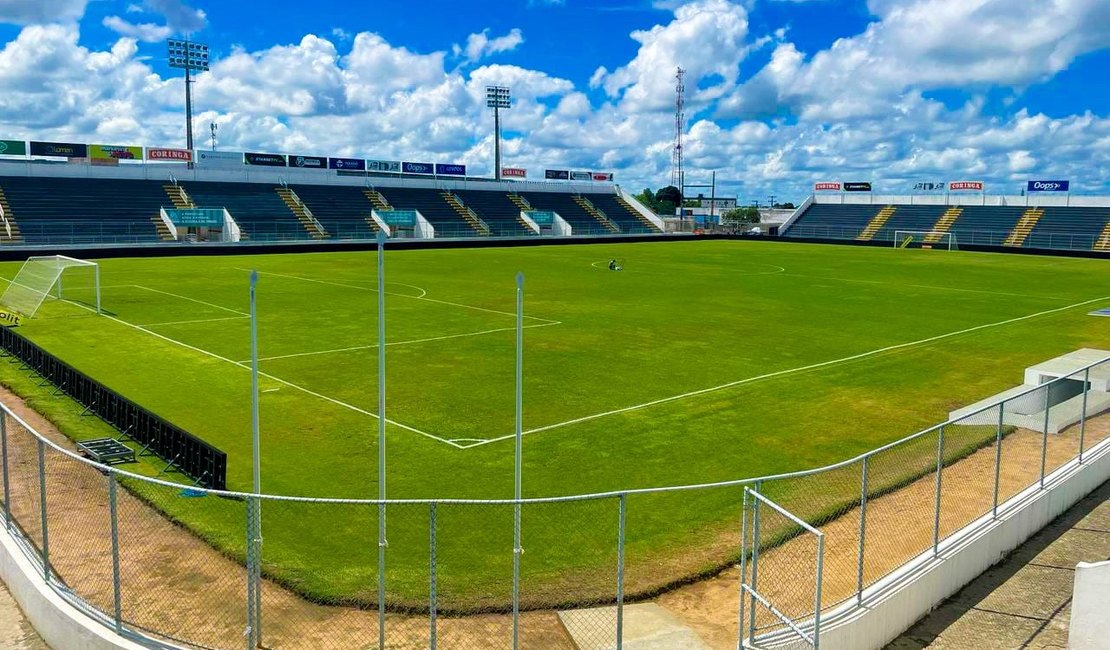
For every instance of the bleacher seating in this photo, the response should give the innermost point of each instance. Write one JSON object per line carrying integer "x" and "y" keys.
{"x": 341, "y": 209}
{"x": 909, "y": 217}
{"x": 430, "y": 203}
{"x": 256, "y": 207}
{"x": 84, "y": 210}
{"x": 581, "y": 222}
{"x": 834, "y": 221}
{"x": 1068, "y": 228}
{"x": 495, "y": 208}
{"x": 629, "y": 223}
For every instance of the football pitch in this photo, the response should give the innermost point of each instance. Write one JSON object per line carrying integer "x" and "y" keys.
{"x": 701, "y": 361}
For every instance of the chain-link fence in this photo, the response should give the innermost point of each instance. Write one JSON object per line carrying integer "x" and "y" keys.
{"x": 171, "y": 564}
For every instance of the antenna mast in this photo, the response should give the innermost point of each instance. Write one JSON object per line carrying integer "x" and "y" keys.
{"x": 679, "y": 126}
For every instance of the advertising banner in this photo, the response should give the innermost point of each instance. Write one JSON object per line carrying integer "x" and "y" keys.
{"x": 417, "y": 168}
{"x": 857, "y": 187}
{"x": 265, "y": 159}
{"x": 965, "y": 186}
{"x": 196, "y": 217}
{"x": 388, "y": 166}
{"x": 930, "y": 187}
{"x": 308, "y": 162}
{"x": 581, "y": 176}
{"x": 514, "y": 172}
{"x": 113, "y": 152}
{"x": 556, "y": 174}
{"x": 225, "y": 159}
{"x": 357, "y": 164}
{"x": 59, "y": 149}
{"x": 1049, "y": 186}
{"x": 13, "y": 148}
{"x": 450, "y": 170}
{"x": 169, "y": 155}
{"x": 826, "y": 187}
{"x": 604, "y": 177}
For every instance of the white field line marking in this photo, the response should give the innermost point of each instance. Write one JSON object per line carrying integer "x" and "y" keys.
{"x": 789, "y": 371}
{"x": 425, "y": 340}
{"x": 277, "y": 379}
{"x": 926, "y": 286}
{"x": 190, "y": 322}
{"x": 199, "y": 302}
{"x": 401, "y": 295}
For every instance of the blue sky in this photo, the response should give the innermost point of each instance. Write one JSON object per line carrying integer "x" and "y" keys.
{"x": 782, "y": 93}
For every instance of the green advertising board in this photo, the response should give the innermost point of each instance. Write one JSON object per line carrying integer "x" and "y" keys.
{"x": 197, "y": 217}
{"x": 13, "y": 148}
{"x": 114, "y": 152}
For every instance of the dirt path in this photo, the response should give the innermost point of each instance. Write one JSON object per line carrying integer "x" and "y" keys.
{"x": 177, "y": 584}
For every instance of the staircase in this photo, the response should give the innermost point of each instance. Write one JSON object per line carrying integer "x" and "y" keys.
{"x": 1101, "y": 244}
{"x": 1023, "y": 227}
{"x": 876, "y": 223}
{"x": 469, "y": 216}
{"x": 591, "y": 210}
{"x": 304, "y": 215}
{"x": 9, "y": 229}
{"x": 522, "y": 203}
{"x": 164, "y": 233}
{"x": 636, "y": 213}
{"x": 178, "y": 197}
{"x": 943, "y": 224}
{"x": 375, "y": 197}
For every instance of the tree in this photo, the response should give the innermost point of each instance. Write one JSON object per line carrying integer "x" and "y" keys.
{"x": 737, "y": 217}
{"x": 667, "y": 199}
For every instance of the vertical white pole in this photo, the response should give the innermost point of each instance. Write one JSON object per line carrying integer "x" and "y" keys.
{"x": 519, "y": 441}
{"x": 96, "y": 280}
{"x": 381, "y": 439}
{"x": 256, "y": 456}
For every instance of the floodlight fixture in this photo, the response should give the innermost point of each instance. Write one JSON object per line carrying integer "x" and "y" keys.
{"x": 497, "y": 97}
{"x": 188, "y": 56}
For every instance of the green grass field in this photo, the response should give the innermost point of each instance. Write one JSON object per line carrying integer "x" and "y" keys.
{"x": 702, "y": 361}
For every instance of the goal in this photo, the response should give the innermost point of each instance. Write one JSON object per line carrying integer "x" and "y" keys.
{"x": 925, "y": 239}
{"x": 53, "y": 277}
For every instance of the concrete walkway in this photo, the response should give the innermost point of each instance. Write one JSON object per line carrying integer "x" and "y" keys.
{"x": 15, "y": 632}
{"x": 1025, "y": 601}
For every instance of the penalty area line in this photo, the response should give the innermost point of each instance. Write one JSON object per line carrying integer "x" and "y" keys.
{"x": 789, "y": 371}
{"x": 279, "y": 380}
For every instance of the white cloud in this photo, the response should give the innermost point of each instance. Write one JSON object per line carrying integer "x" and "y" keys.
{"x": 145, "y": 32}
{"x": 30, "y": 12}
{"x": 179, "y": 16}
{"x": 480, "y": 45}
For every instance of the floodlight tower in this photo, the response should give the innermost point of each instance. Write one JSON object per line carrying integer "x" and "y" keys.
{"x": 679, "y": 127}
{"x": 497, "y": 97}
{"x": 188, "y": 56}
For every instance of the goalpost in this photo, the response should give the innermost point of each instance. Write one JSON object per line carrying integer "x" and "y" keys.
{"x": 925, "y": 239}
{"x": 55, "y": 277}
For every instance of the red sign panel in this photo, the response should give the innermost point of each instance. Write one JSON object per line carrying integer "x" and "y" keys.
{"x": 179, "y": 155}
{"x": 827, "y": 187}
{"x": 605, "y": 177}
{"x": 514, "y": 172}
{"x": 956, "y": 186}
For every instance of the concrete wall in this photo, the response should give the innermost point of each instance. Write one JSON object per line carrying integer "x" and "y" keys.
{"x": 1090, "y": 607}
{"x": 897, "y": 602}
{"x": 60, "y": 624}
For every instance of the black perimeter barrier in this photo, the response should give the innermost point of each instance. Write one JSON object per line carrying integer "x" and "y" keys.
{"x": 200, "y": 461}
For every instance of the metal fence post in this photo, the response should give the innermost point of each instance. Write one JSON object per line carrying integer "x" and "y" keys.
{"x": 4, "y": 452}
{"x": 113, "y": 513}
{"x": 252, "y": 594}
{"x": 743, "y": 569}
{"x": 622, "y": 506}
{"x": 936, "y": 511}
{"x": 42, "y": 510}
{"x": 1082, "y": 420}
{"x": 998, "y": 459}
{"x": 817, "y": 591}
{"x": 432, "y": 579}
{"x": 1044, "y": 437}
{"x": 862, "y": 530}
{"x": 516, "y": 575}
{"x": 755, "y": 560}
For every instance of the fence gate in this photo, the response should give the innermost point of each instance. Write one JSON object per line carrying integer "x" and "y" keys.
{"x": 780, "y": 577}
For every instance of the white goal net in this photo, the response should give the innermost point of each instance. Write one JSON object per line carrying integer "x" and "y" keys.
{"x": 925, "y": 239}
{"x": 53, "y": 277}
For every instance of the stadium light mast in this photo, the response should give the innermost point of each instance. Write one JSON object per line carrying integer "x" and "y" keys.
{"x": 678, "y": 175}
{"x": 188, "y": 57}
{"x": 497, "y": 97}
